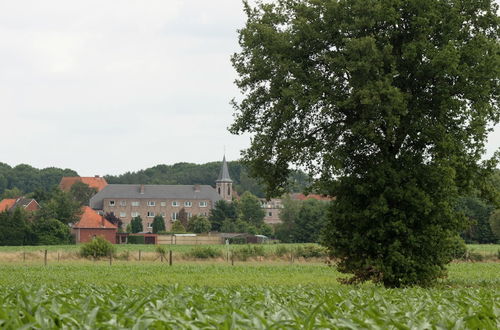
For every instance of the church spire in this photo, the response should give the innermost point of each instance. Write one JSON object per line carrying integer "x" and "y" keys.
{"x": 224, "y": 172}
{"x": 224, "y": 184}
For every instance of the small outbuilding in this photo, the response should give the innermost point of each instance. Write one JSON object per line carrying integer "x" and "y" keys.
{"x": 93, "y": 224}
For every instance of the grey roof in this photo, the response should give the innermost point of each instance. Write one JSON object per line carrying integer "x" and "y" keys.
{"x": 224, "y": 172}
{"x": 205, "y": 192}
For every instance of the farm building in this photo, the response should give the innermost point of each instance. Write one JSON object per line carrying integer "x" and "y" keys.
{"x": 92, "y": 224}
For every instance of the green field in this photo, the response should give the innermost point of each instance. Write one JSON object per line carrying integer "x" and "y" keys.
{"x": 96, "y": 295}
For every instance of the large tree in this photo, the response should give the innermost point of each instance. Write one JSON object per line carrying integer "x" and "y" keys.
{"x": 387, "y": 105}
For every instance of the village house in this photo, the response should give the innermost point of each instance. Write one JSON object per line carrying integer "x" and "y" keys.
{"x": 28, "y": 204}
{"x": 92, "y": 224}
{"x": 97, "y": 182}
{"x": 127, "y": 201}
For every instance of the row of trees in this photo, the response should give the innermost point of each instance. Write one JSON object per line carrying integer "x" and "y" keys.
{"x": 27, "y": 179}
{"x": 47, "y": 226}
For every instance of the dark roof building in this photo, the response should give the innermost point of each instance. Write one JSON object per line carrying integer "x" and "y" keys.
{"x": 167, "y": 192}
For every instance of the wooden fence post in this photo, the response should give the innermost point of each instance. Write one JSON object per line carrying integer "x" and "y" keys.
{"x": 24, "y": 256}
{"x": 110, "y": 259}
{"x": 45, "y": 258}
{"x": 232, "y": 258}
{"x": 57, "y": 256}
{"x": 170, "y": 257}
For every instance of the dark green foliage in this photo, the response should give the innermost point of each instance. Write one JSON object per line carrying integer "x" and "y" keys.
{"x": 477, "y": 212}
{"x": 11, "y": 193}
{"x": 82, "y": 192}
{"x": 494, "y": 222}
{"x": 222, "y": 210}
{"x": 183, "y": 217}
{"x": 111, "y": 217}
{"x": 177, "y": 228}
{"x": 205, "y": 252}
{"x": 29, "y": 179}
{"x": 136, "y": 225}
{"x": 303, "y": 221}
{"x": 158, "y": 224}
{"x": 387, "y": 104}
{"x": 97, "y": 247}
{"x": 250, "y": 209}
{"x": 199, "y": 224}
{"x": 136, "y": 239}
{"x": 14, "y": 228}
{"x": 61, "y": 206}
{"x": 51, "y": 232}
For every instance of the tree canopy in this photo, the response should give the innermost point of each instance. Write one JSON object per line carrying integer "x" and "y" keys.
{"x": 387, "y": 105}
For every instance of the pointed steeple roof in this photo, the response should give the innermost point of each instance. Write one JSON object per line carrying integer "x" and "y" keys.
{"x": 224, "y": 172}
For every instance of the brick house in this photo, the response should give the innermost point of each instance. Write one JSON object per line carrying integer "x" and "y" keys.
{"x": 92, "y": 224}
{"x": 96, "y": 182}
{"x": 28, "y": 204}
{"x": 127, "y": 201}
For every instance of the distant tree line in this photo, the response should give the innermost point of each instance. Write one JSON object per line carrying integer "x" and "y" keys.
{"x": 26, "y": 179}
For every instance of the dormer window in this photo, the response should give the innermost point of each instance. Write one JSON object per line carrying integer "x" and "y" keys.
{"x": 111, "y": 203}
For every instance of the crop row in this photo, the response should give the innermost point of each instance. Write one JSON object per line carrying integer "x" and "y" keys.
{"x": 117, "y": 306}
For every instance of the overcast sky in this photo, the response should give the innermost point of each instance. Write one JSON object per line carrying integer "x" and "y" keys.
{"x": 104, "y": 87}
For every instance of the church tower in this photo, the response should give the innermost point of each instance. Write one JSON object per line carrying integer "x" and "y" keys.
{"x": 224, "y": 184}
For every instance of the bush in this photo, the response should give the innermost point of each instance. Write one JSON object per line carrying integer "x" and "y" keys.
{"x": 245, "y": 252}
{"x": 458, "y": 249}
{"x": 161, "y": 250}
{"x": 205, "y": 252}
{"x": 97, "y": 247}
{"x": 136, "y": 240}
{"x": 282, "y": 250}
{"x": 310, "y": 251}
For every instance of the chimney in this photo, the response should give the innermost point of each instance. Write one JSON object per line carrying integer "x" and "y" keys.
{"x": 142, "y": 189}
{"x": 196, "y": 188}
{"x": 96, "y": 176}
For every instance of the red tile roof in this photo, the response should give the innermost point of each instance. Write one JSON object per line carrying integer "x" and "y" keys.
{"x": 7, "y": 203}
{"x": 94, "y": 182}
{"x": 303, "y": 197}
{"x": 91, "y": 219}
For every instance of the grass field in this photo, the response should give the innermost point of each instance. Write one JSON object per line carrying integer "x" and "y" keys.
{"x": 95, "y": 295}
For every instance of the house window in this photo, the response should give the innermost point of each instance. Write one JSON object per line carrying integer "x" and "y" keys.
{"x": 189, "y": 215}
{"x": 134, "y": 214}
{"x": 188, "y": 204}
{"x": 135, "y": 203}
{"x": 111, "y": 203}
{"x": 203, "y": 204}
{"x": 270, "y": 214}
{"x": 123, "y": 214}
{"x": 175, "y": 216}
{"x": 151, "y": 214}
{"x": 163, "y": 203}
{"x": 123, "y": 203}
{"x": 163, "y": 214}
{"x": 151, "y": 203}
{"x": 150, "y": 225}
{"x": 175, "y": 203}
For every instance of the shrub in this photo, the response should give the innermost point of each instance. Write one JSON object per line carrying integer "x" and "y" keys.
{"x": 282, "y": 250}
{"x": 161, "y": 250}
{"x": 458, "y": 249}
{"x": 97, "y": 247}
{"x": 247, "y": 251}
{"x": 205, "y": 252}
{"x": 310, "y": 251}
{"x": 136, "y": 240}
